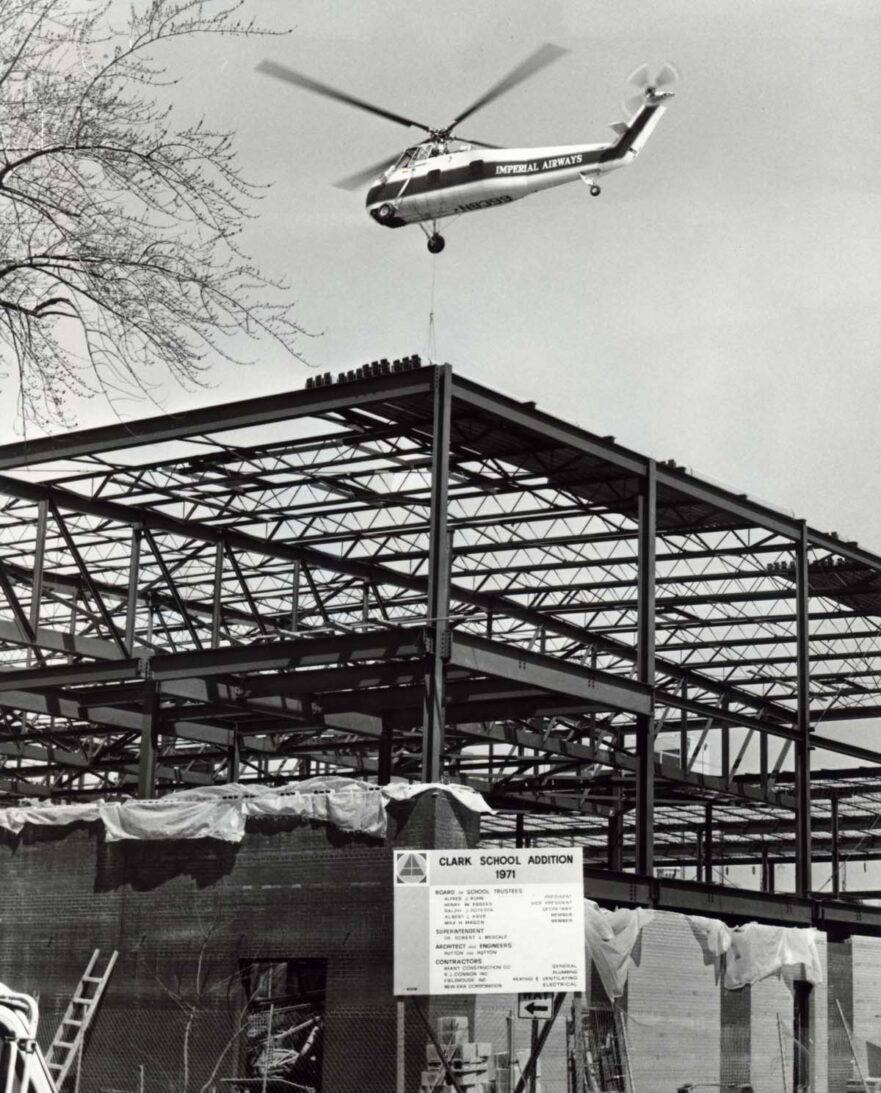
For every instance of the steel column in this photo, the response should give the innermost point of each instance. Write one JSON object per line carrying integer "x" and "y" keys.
{"x": 615, "y": 837}
{"x": 683, "y": 727}
{"x": 234, "y": 759}
{"x": 836, "y": 853}
{"x": 645, "y": 669}
{"x": 803, "y": 742}
{"x": 39, "y": 559}
{"x": 131, "y": 610}
{"x": 386, "y": 755}
{"x": 437, "y": 632}
{"x": 217, "y": 597}
{"x": 708, "y": 844}
{"x": 149, "y": 740}
{"x": 295, "y": 598}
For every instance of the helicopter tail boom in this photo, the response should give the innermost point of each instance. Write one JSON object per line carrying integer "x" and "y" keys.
{"x": 633, "y": 135}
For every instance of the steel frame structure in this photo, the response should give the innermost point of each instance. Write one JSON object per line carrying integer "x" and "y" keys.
{"x": 405, "y": 574}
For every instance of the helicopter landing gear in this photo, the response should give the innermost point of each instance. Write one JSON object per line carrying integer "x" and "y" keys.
{"x": 436, "y": 243}
{"x": 595, "y": 191}
{"x": 385, "y": 212}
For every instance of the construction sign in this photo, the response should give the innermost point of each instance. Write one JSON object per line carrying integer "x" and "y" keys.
{"x": 488, "y": 922}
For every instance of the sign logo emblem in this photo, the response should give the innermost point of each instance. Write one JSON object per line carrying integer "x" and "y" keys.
{"x": 411, "y": 868}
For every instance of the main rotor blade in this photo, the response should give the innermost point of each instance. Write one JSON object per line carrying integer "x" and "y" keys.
{"x": 368, "y": 174}
{"x": 282, "y": 72}
{"x": 544, "y": 55}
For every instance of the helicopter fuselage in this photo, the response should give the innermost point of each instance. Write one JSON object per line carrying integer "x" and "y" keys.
{"x": 429, "y": 182}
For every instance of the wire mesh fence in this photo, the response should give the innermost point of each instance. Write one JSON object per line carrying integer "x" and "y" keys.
{"x": 473, "y": 1044}
{"x": 205, "y": 1025}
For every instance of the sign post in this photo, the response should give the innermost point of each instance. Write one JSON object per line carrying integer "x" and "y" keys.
{"x": 489, "y": 922}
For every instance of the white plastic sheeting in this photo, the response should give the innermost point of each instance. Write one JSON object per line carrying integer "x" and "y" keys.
{"x": 221, "y": 812}
{"x": 745, "y": 954}
{"x": 14, "y": 819}
{"x": 755, "y": 951}
{"x": 610, "y": 938}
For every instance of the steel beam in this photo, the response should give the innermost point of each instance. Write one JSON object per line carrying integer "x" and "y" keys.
{"x": 601, "y": 689}
{"x": 265, "y": 410}
{"x": 673, "y": 482}
{"x": 60, "y": 498}
{"x": 585, "y": 753}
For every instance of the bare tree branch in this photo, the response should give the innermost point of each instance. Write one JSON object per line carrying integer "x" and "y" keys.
{"x": 119, "y": 232}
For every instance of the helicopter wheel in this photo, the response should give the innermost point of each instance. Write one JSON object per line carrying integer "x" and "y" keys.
{"x": 595, "y": 191}
{"x": 436, "y": 243}
{"x": 385, "y": 212}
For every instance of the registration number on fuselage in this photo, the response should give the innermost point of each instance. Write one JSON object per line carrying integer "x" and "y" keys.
{"x": 487, "y": 203}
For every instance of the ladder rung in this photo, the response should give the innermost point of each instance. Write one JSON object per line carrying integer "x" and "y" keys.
{"x": 64, "y": 1043}
{"x": 71, "y": 1021}
{"x": 81, "y": 1001}
{"x": 91, "y": 979}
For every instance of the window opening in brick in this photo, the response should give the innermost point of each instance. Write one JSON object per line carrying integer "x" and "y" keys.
{"x": 284, "y": 1026}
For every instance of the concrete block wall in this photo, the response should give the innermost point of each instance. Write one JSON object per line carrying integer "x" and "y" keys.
{"x": 771, "y": 1043}
{"x": 839, "y": 965}
{"x": 866, "y": 972}
{"x": 673, "y": 1010}
{"x": 735, "y": 1042}
{"x": 684, "y": 1026}
{"x": 820, "y": 1024}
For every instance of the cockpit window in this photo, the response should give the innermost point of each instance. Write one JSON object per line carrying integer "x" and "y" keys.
{"x": 418, "y": 154}
{"x": 408, "y": 158}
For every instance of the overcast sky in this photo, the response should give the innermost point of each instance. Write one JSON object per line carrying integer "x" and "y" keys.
{"x": 717, "y": 305}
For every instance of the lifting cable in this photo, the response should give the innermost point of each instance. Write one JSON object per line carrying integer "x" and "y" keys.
{"x": 431, "y": 348}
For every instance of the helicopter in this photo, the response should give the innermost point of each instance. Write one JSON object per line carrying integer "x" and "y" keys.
{"x": 446, "y": 175}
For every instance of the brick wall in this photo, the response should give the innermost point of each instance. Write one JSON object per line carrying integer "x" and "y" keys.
{"x": 184, "y": 915}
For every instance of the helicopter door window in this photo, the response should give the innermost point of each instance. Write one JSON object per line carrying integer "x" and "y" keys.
{"x": 434, "y": 177}
{"x": 475, "y": 168}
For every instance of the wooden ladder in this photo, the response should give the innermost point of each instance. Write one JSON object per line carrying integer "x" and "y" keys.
{"x": 71, "y": 1033}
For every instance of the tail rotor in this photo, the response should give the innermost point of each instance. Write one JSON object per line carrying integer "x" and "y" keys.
{"x": 646, "y": 88}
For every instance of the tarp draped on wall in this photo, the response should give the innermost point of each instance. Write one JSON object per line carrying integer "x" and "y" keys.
{"x": 745, "y": 954}
{"x": 755, "y": 951}
{"x": 610, "y": 938}
{"x": 221, "y": 812}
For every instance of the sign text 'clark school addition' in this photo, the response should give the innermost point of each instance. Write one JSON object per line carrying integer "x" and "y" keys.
{"x": 488, "y": 921}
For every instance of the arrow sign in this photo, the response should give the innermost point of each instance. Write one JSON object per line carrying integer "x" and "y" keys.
{"x": 535, "y": 1007}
